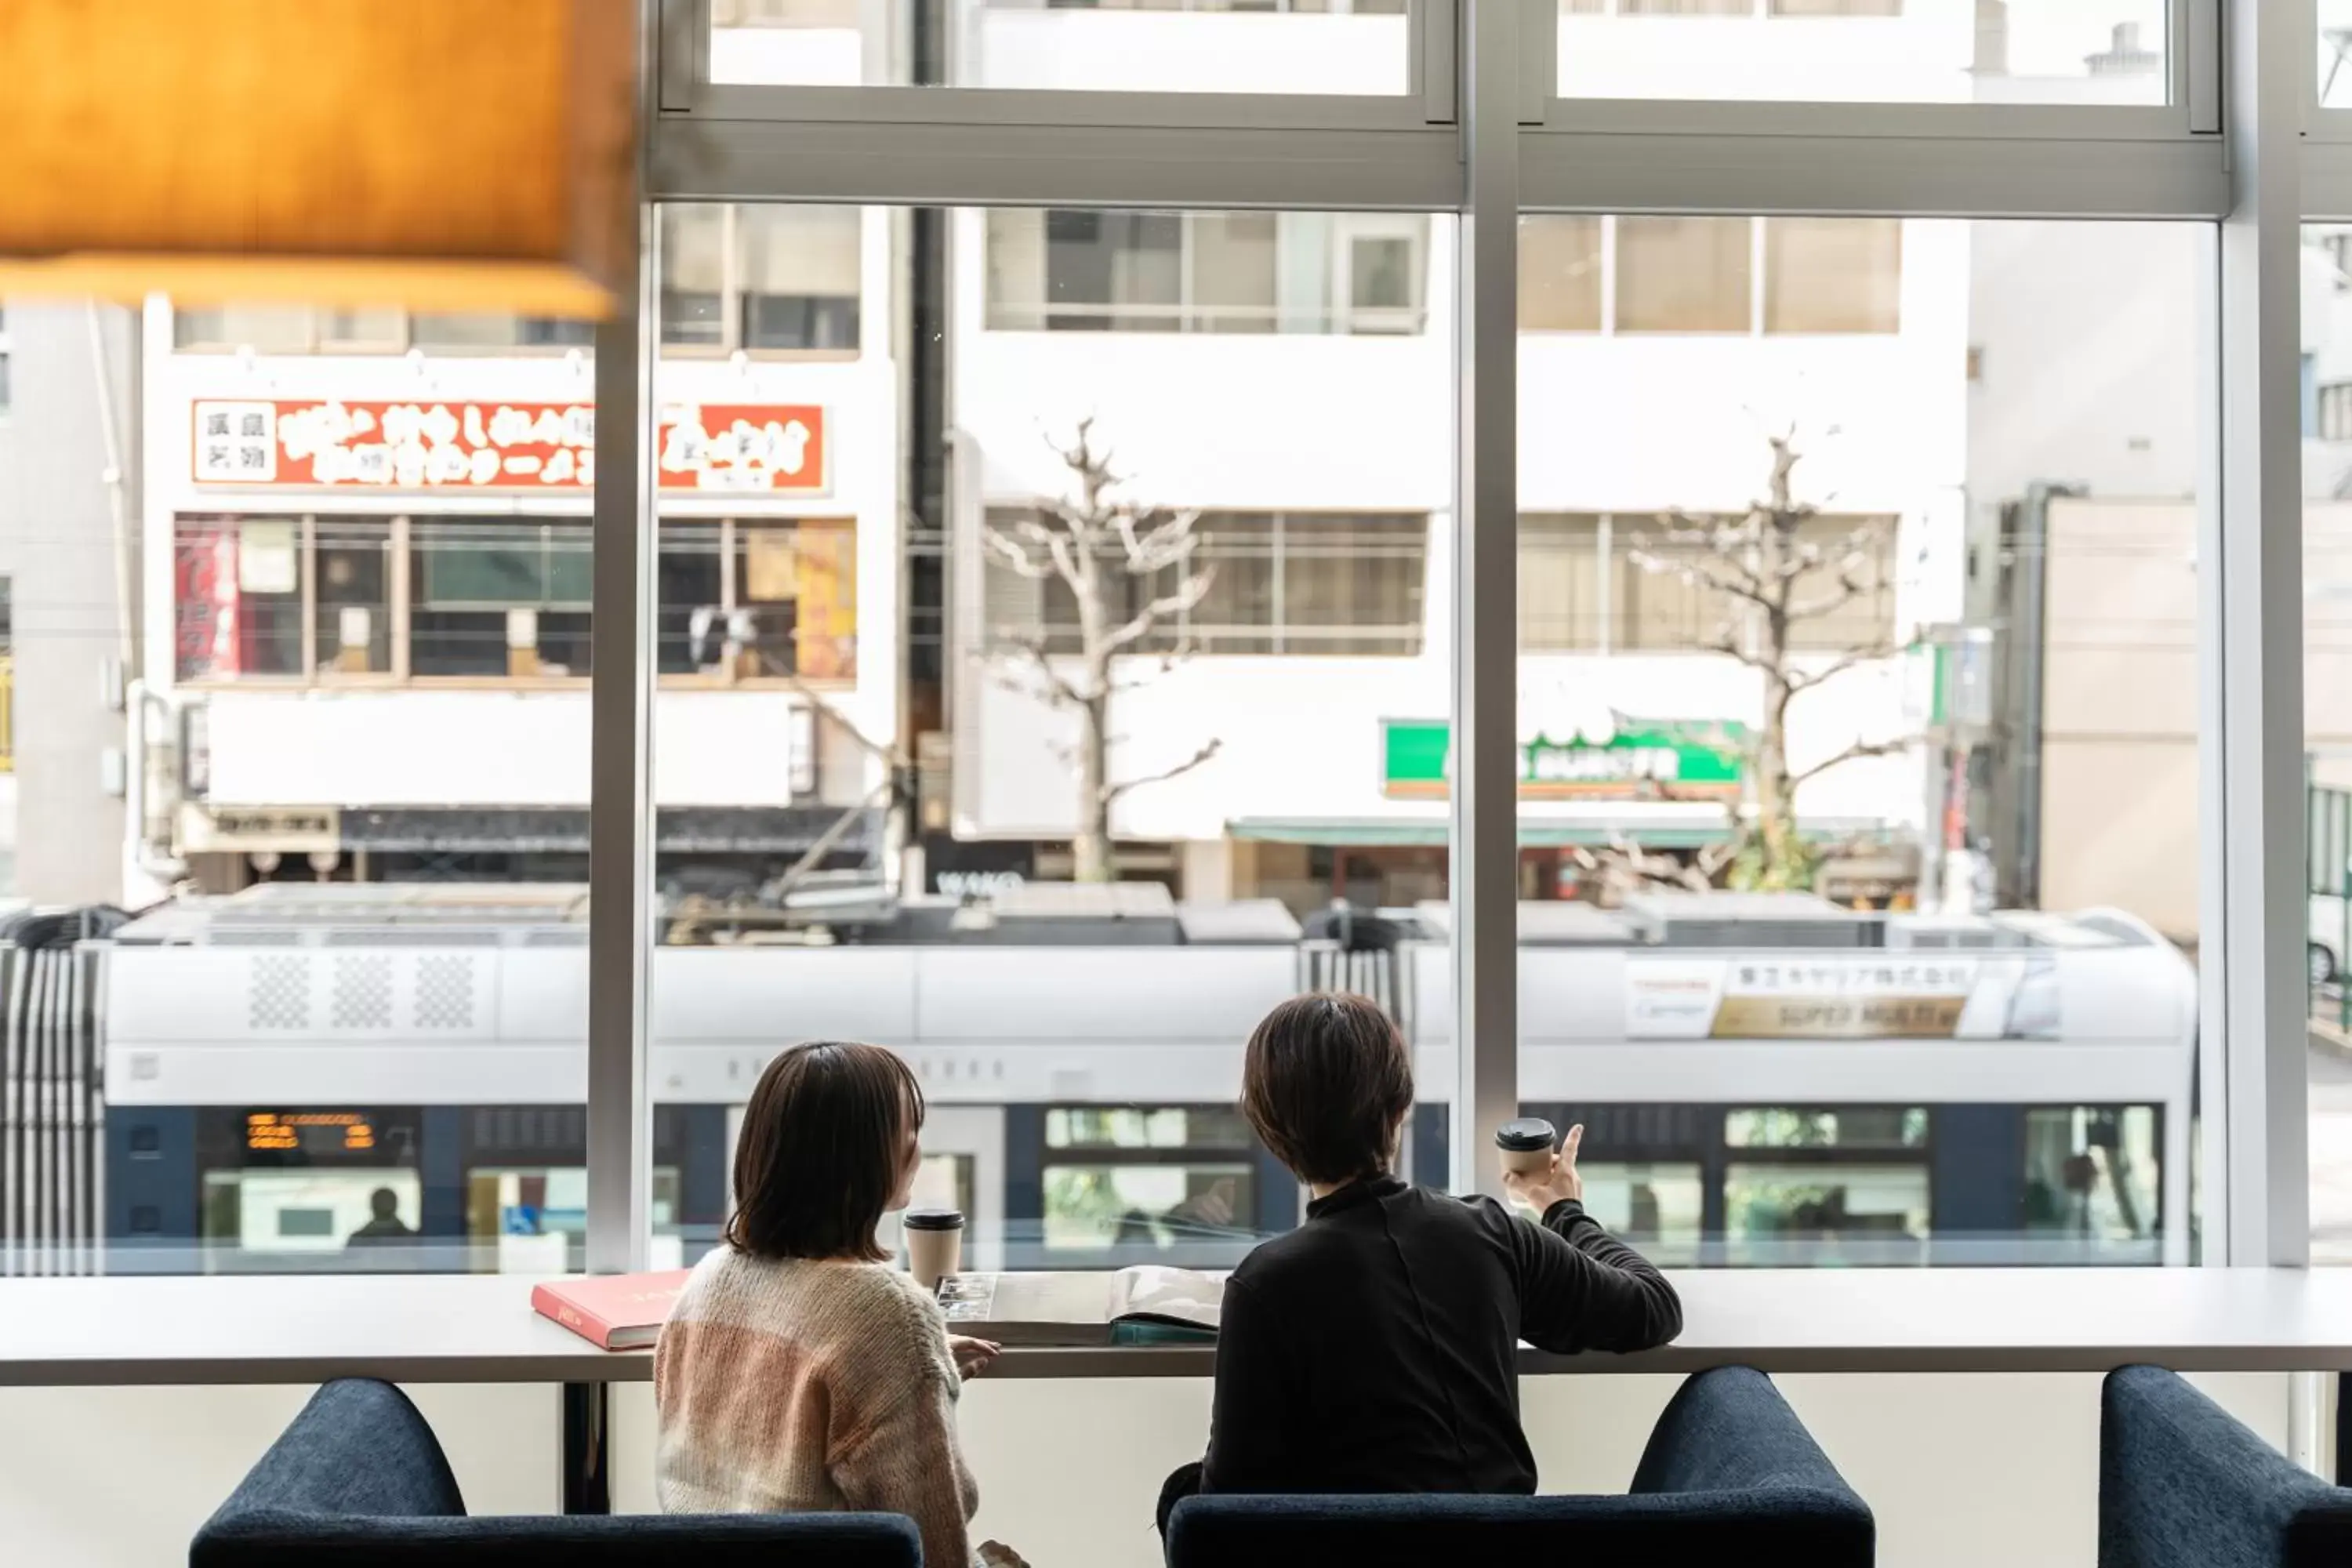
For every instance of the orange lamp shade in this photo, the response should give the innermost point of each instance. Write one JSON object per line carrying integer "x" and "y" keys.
{"x": 438, "y": 154}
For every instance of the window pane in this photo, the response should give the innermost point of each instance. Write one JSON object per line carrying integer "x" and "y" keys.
{"x": 354, "y": 596}
{"x": 1559, "y": 274}
{"x": 1835, "y": 707}
{"x": 1117, "y": 788}
{"x": 1120, "y": 46}
{"x": 693, "y": 275}
{"x": 799, "y": 278}
{"x": 364, "y": 791}
{"x": 1682, "y": 274}
{"x": 1832, "y": 275}
{"x": 1864, "y": 51}
{"x": 1562, "y": 559}
{"x": 2327, "y": 294}
{"x": 1233, "y": 270}
{"x": 795, "y": 608}
{"x": 237, "y": 594}
{"x": 496, "y": 597}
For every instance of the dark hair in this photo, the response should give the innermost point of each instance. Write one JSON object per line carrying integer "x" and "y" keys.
{"x": 1325, "y": 1082}
{"x": 823, "y": 1145}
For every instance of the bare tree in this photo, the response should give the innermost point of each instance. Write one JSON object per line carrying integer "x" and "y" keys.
{"x": 1775, "y": 576}
{"x": 1111, "y": 553}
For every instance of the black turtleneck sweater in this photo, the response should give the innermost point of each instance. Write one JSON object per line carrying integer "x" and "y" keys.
{"x": 1373, "y": 1349}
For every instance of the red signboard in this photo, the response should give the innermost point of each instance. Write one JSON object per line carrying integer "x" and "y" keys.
{"x": 425, "y": 446}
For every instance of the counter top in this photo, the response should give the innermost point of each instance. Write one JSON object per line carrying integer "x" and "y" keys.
{"x": 128, "y": 1330}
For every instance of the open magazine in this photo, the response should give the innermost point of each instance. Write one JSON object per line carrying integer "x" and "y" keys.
{"x": 1146, "y": 1304}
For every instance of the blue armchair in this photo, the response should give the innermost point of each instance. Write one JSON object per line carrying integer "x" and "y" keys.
{"x": 1731, "y": 1476}
{"x": 2183, "y": 1484}
{"x": 358, "y": 1481}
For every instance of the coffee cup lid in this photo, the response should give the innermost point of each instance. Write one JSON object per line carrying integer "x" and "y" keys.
{"x": 1528, "y": 1133}
{"x": 934, "y": 1219}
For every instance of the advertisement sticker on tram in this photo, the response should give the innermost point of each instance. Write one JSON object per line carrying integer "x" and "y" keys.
{"x": 1928, "y": 995}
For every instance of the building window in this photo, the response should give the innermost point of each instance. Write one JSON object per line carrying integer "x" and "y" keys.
{"x": 353, "y": 614}
{"x": 500, "y": 596}
{"x": 1279, "y": 583}
{"x": 1832, "y": 275}
{"x": 1559, "y": 274}
{"x": 304, "y": 329}
{"x": 2335, "y": 412}
{"x": 767, "y": 279}
{"x": 761, "y": 279}
{"x": 1206, "y": 272}
{"x": 1716, "y": 275}
{"x": 1682, "y": 274}
{"x": 339, "y": 599}
{"x": 239, "y": 591}
{"x": 1656, "y": 608}
{"x": 1561, "y": 563}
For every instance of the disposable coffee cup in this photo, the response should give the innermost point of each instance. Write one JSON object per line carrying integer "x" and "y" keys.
{"x": 934, "y": 1245}
{"x": 1526, "y": 1144}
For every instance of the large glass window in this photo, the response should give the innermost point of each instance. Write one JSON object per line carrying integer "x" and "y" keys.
{"x": 1804, "y": 617}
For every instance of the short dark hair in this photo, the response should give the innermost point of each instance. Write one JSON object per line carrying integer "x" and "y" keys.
{"x": 1324, "y": 1081}
{"x": 823, "y": 1145}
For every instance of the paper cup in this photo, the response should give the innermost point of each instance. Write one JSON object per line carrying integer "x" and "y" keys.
{"x": 1526, "y": 1145}
{"x": 934, "y": 1245}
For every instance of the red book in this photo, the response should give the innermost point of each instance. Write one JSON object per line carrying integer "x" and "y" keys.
{"x": 612, "y": 1311}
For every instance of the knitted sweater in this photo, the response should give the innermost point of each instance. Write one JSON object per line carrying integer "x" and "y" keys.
{"x": 800, "y": 1384}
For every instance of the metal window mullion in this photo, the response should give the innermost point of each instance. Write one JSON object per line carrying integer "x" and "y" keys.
{"x": 620, "y": 701}
{"x": 2250, "y": 668}
{"x": 1484, "y": 797}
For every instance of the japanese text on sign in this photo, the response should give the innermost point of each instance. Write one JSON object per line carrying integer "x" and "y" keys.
{"x": 499, "y": 445}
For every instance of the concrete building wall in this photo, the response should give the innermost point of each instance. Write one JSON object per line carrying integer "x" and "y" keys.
{"x": 59, "y": 550}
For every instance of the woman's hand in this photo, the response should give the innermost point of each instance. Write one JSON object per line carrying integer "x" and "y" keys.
{"x": 971, "y": 1357}
{"x": 1541, "y": 1189}
{"x": 996, "y": 1554}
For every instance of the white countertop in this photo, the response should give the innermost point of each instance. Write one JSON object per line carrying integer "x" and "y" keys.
{"x": 480, "y": 1328}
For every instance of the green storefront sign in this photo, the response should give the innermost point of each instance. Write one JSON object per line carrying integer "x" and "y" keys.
{"x": 1645, "y": 760}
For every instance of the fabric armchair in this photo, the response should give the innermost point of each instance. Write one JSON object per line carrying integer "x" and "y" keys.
{"x": 2184, "y": 1484}
{"x": 1731, "y": 1476}
{"x": 357, "y": 1481}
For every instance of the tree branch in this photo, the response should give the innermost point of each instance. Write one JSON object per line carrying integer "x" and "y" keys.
{"x": 1853, "y": 753}
{"x": 1058, "y": 687}
{"x": 1111, "y": 792}
{"x": 1801, "y": 682}
{"x": 1196, "y": 588}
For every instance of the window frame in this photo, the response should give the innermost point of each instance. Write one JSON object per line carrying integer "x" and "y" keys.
{"x": 1481, "y": 133}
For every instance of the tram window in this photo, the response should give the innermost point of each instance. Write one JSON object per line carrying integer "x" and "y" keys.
{"x": 2091, "y": 1171}
{"x": 1867, "y": 1127}
{"x": 1094, "y": 1207}
{"x": 1803, "y": 1212}
{"x": 1658, "y": 1205}
{"x": 300, "y": 1209}
{"x": 1123, "y": 1126}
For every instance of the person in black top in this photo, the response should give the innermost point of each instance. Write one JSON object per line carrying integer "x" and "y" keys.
{"x": 1373, "y": 1348}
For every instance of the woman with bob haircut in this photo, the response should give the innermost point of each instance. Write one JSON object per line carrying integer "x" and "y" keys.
{"x": 1374, "y": 1348}
{"x": 799, "y": 1372}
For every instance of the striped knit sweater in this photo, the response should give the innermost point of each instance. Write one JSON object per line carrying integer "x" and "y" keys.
{"x": 797, "y": 1385}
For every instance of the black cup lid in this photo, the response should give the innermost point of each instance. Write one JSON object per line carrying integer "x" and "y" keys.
{"x": 1528, "y": 1133}
{"x": 934, "y": 1219}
